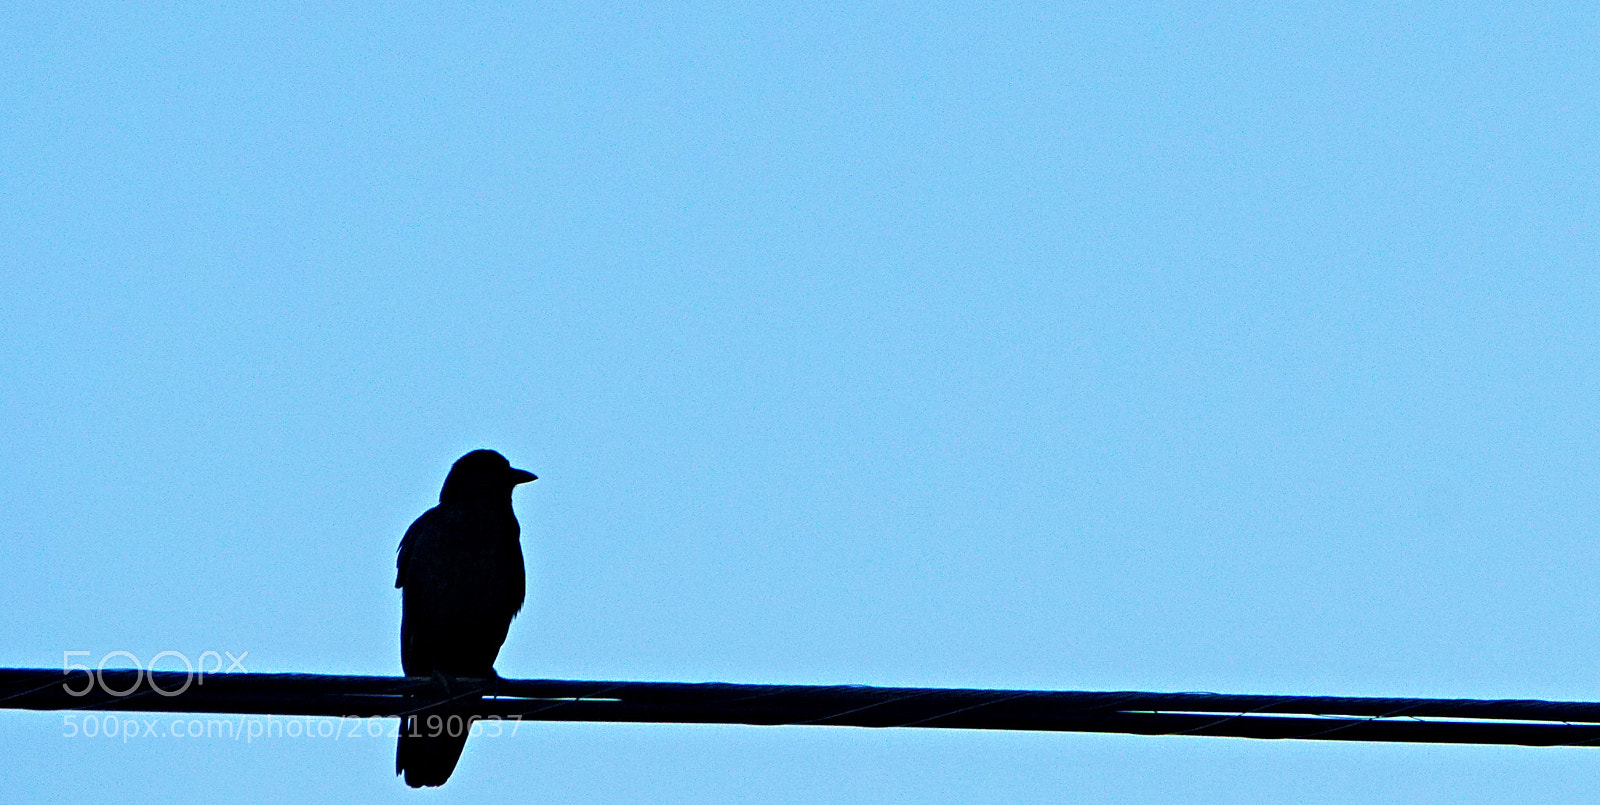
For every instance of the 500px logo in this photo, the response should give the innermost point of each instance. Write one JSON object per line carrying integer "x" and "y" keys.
{"x": 193, "y": 671}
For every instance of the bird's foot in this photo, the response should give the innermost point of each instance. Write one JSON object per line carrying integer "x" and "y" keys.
{"x": 444, "y": 681}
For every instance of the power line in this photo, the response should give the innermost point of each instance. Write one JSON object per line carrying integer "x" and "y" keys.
{"x": 1333, "y": 718}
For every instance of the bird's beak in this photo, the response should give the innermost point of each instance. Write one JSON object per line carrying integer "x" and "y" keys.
{"x": 522, "y": 477}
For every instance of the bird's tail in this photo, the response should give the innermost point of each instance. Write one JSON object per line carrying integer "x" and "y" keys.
{"x": 430, "y": 745}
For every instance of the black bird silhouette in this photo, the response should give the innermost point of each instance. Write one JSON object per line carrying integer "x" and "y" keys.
{"x": 461, "y": 582}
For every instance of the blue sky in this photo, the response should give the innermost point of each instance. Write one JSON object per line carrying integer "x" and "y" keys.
{"x": 1228, "y": 347}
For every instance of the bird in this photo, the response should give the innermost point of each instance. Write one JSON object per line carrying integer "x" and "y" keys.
{"x": 461, "y": 582}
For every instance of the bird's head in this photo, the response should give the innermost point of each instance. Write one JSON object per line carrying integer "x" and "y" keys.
{"x": 482, "y": 473}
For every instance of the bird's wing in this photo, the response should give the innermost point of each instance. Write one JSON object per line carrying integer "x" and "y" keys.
{"x": 407, "y": 542}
